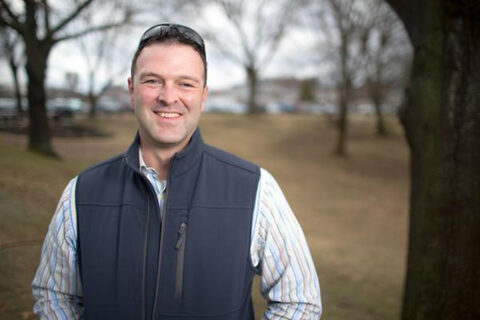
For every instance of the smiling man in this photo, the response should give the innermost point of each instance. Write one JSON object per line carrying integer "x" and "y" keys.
{"x": 173, "y": 228}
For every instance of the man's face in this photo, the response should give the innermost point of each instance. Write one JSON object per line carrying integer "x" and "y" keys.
{"x": 168, "y": 94}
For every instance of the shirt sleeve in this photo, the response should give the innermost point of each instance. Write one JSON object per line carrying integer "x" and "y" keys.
{"x": 56, "y": 286}
{"x": 281, "y": 255}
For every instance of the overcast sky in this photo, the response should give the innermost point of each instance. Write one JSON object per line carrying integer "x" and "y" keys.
{"x": 293, "y": 58}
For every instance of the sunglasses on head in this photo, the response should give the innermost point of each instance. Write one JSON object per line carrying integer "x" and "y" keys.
{"x": 158, "y": 29}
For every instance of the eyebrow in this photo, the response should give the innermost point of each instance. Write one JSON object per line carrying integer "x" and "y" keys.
{"x": 156, "y": 75}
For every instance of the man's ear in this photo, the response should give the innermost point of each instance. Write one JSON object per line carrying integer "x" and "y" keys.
{"x": 204, "y": 97}
{"x": 131, "y": 90}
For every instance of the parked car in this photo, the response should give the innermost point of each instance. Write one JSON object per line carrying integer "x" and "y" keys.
{"x": 59, "y": 108}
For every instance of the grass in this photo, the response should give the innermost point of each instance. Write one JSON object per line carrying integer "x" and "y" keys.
{"x": 353, "y": 210}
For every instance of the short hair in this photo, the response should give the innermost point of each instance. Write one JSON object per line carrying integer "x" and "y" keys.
{"x": 169, "y": 33}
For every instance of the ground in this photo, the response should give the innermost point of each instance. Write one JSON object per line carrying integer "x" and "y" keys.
{"x": 353, "y": 210}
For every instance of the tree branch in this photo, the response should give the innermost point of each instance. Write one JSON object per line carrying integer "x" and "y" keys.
{"x": 46, "y": 14}
{"x": 15, "y": 23}
{"x": 69, "y": 18}
{"x": 88, "y": 30}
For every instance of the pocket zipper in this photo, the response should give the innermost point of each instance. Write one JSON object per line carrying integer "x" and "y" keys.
{"x": 180, "y": 247}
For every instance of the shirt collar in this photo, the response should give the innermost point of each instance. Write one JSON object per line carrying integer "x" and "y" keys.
{"x": 142, "y": 165}
{"x": 183, "y": 160}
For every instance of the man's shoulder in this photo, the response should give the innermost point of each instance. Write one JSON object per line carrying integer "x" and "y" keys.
{"x": 95, "y": 168}
{"x": 232, "y": 160}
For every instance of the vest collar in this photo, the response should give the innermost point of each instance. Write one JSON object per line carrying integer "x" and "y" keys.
{"x": 181, "y": 161}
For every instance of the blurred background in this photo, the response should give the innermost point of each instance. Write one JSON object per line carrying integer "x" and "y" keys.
{"x": 313, "y": 91}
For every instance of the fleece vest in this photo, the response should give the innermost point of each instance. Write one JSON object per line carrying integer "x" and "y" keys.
{"x": 194, "y": 263}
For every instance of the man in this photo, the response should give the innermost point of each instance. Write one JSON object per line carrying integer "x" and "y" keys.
{"x": 173, "y": 228}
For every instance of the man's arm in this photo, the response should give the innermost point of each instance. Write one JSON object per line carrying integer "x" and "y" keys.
{"x": 280, "y": 252}
{"x": 56, "y": 286}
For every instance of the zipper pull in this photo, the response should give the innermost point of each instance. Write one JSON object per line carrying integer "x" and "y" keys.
{"x": 181, "y": 235}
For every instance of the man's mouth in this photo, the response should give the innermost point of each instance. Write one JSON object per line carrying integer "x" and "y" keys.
{"x": 168, "y": 115}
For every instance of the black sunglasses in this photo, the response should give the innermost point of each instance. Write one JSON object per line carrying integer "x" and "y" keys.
{"x": 158, "y": 29}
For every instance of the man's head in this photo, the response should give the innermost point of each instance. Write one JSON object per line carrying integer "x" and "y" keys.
{"x": 167, "y": 86}
{"x": 171, "y": 33}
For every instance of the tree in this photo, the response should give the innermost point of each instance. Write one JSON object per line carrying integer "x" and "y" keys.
{"x": 10, "y": 43}
{"x": 341, "y": 21}
{"x": 307, "y": 90}
{"x": 43, "y": 25}
{"x": 441, "y": 119}
{"x": 255, "y": 30}
{"x": 387, "y": 55}
{"x": 99, "y": 49}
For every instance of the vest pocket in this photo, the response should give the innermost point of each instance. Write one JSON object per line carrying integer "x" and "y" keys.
{"x": 180, "y": 247}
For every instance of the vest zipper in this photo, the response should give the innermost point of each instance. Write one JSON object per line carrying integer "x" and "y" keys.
{"x": 180, "y": 247}
{"x": 162, "y": 235}
{"x": 145, "y": 245}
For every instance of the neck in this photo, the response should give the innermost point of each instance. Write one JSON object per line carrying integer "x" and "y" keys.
{"x": 157, "y": 159}
{"x": 159, "y": 156}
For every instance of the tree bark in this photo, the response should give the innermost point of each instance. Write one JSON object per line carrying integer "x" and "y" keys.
{"x": 442, "y": 126}
{"x": 39, "y": 136}
{"x": 377, "y": 99}
{"x": 344, "y": 91}
{"x": 18, "y": 96}
{"x": 342, "y": 122}
{"x": 39, "y": 133}
{"x": 92, "y": 101}
{"x": 252, "y": 80}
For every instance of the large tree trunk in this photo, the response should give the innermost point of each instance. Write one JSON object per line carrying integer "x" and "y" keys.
{"x": 442, "y": 125}
{"x": 39, "y": 137}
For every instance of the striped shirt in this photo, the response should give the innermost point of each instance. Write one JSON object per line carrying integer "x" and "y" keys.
{"x": 278, "y": 250}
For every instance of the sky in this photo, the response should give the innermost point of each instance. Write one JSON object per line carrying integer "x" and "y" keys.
{"x": 293, "y": 58}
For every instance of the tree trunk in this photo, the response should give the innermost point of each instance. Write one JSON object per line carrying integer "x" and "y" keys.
{"x": 16, "y": 85}
{"x": 377, "y": 99}
{"x": 39, "y": 137}
{"x": 442, "y": 125}
{"x": 253, "y": 107}
{"x": 92, "y": 101}
{"x": 342, "y": 122}
{"x": 344, "y": 88}
{"x": 380, "y": 126}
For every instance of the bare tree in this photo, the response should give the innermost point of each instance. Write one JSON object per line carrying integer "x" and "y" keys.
{"x": 387, "y": 55}
{"x": 99, "y": 50}
{"x": 98, "y": 56}
{"x": 42, "y": 25}
{"x": 254, "y": 33}
{"x": 10, "y": 44}
{"x": 441, "y": 119}
{"x": 342, "y": 22}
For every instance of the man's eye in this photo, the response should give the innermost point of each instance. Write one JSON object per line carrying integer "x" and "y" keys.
{"x": 150, "y": 81}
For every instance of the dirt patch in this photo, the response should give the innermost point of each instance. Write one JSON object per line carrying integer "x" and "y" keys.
{"x": 66, "y": 128}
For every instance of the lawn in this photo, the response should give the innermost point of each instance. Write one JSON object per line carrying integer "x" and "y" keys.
{"x": 353, "y": 210}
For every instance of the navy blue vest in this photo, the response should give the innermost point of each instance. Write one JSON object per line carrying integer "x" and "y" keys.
{"x": 193, "y": 265}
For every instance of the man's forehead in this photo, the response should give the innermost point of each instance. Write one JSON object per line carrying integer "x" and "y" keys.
{"x": 172, "y": 55}
{"x": 168, "y": 47}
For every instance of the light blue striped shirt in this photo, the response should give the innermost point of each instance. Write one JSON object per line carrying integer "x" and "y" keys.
{"x": 278, "y": 250}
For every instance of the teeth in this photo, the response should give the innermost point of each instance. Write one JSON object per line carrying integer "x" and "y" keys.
{"x": 168, "y": 114}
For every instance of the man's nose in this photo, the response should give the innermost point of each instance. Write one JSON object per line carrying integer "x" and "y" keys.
{"x": 168, "y": 95}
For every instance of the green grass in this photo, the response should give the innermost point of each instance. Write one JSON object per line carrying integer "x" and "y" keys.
{"x": 353, "y": 210}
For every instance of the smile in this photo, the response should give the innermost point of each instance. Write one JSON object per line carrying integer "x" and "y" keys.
{"x": 168, "y": 114}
